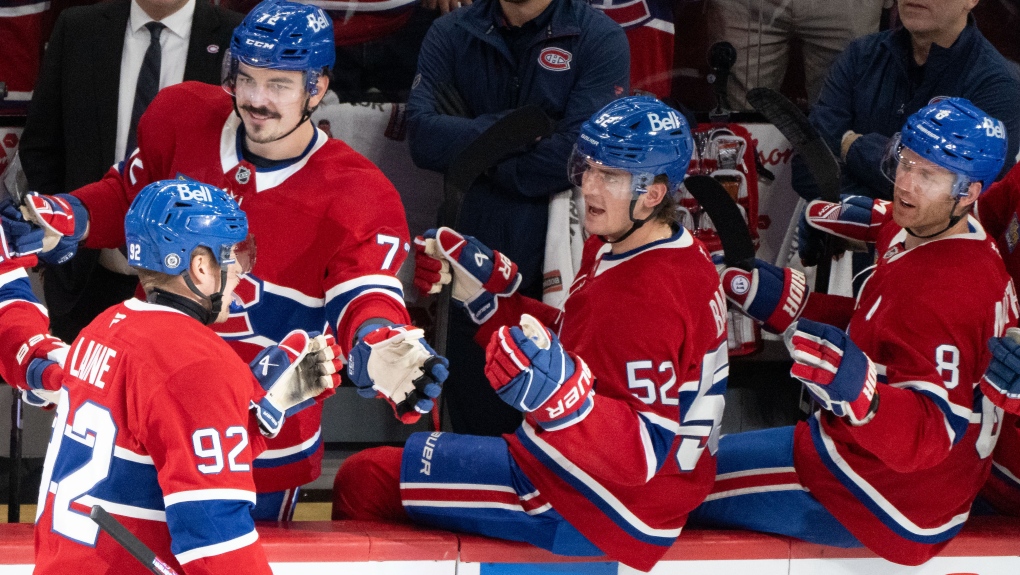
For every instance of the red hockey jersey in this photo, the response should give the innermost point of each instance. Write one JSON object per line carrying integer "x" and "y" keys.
{"x": 649, "y": 27}
{"x": 923, "y": 317}
{"x": 24, "y": 27}
{"x": 330, "y": 230}
{"x": 153, "y": 425}
{"x": 651, "y": 325}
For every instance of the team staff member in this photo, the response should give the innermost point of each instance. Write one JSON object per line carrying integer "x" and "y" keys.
{"x": 476, "y": 65}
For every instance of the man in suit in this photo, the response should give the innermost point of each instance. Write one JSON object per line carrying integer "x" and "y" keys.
{"x": 79, "y": 120}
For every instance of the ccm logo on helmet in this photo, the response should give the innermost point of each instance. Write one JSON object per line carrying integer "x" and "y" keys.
{"x": 555, "y": 59}
{"x": 259, "y": 44}
{"x": 670, "y": 122}
{"x": 202, "y": 194}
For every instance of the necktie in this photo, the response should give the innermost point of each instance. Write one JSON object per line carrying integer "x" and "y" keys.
{"x": 148, "y": 82}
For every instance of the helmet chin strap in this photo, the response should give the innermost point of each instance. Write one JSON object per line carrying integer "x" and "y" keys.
{"x": 636, "y": 223}
{"x": 953, "y": 220}
{"x": 215, "y": 300}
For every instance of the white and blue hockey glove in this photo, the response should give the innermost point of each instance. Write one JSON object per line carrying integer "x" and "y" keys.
{"x": 772, "y": 295}
{"x": 294, "y": 372}
{"x": 835, "y": 371}
{"x": 480, "y": 275}
{"x": 395, "y": 363}
{"x": 531, "y": 371}
{"x": 64, "y": 221}
{"x": 1001, "y": 383}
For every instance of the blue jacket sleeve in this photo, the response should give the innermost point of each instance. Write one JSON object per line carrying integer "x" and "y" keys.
{"x": 435, "y": 139}
{"x": 542, "y": 170}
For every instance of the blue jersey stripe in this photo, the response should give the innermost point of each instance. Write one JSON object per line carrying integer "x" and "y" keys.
{"x": 195, "y": 524}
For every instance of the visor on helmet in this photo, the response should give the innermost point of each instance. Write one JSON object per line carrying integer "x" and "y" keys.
{"x": 908, "y": 170}
{"x": 617, "y": 182}
{"x": 242, "y": 253}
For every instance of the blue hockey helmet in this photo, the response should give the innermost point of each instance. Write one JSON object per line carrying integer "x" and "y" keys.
{"x": 638, "y": 134}
{"x": 283, "y": 36}
{"x": 957, "y": 136}
{"x": 169, "y": 219}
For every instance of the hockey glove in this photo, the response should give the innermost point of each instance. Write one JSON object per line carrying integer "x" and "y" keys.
{"x": 1001, "y": 383}
{"x": 854, "y": 217}
{"x": 531, "y": 371}
{"x": 20, "y": 240}
{"x": 772, "y": 295}
{"x": 835, "y": 371}
{"x": 480, "y": 275}
{"x": 395, "y": 363}
{"x": 293, "y": 373}
{"x": 64, "y": 221}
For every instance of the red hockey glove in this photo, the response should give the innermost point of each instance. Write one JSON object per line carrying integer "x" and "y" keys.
{"x": 531, "y": 371}
{"x": 1001, "y": 383}
{"x": 480, "y": 275}
{"x": 772, "y": 295}
{"x": 835, "y": 371}
{"x": 854, "y": 217}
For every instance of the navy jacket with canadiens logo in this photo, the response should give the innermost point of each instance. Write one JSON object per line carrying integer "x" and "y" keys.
{"x": 868, "y": 91}
{"x": 571, "y": 67}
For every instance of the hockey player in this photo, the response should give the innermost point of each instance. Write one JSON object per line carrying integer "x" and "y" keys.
{"x": 152, "y": 410}
{"x": 900, "y": 416}
{"x": 998, "y": 210}
{"x": 332, "y": 226}
{"x": 585, "y": 474}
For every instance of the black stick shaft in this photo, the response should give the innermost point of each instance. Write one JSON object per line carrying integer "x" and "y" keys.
{"x": 14, "y": 474}
{"x": 129, "y": 542}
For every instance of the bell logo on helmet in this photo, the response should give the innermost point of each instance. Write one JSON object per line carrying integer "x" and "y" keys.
{"x": 670, "y": 122}
{"x": 188, "y": 193}
{"x": 994, "y": 128}
{"x": 259, "y": 44}
{"x": 317, "y": 21}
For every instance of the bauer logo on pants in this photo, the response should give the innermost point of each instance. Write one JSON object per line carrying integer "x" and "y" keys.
{"x": 555, "y": 59}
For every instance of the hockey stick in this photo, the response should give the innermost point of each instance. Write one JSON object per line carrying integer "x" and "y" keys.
{"x": 14, "y": 473}
{"x": 129, "y": 542}
{"x": 738, "y": 248}
{"x": 13, "y": 182}
{"x": 810, "y": 146}
{"x": 510, "y": 133}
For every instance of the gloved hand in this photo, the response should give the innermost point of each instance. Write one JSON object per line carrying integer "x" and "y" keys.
{"x": 854, "y": 217}
{"x": 531, "y": 371}
{"x": 480, "y": 275}
{"x": 810, "y": 242}
{"x": 772, "y": 295}
{"x": 20, "y": 240}
{"x": 835, "y": 371}
{"x": 64, "y": 221}
{"x": 395, "y": 363}
{"x": 294, "y": 372}
{"x": 1001, "y": 383}
{"x": 41, "y": 358}
{"x": 40, "y": 398}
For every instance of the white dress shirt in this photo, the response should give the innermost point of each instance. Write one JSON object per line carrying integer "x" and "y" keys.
{"x": 174, "y": 42}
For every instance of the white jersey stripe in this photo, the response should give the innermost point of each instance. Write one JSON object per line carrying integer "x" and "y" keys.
{"x": 279, "y": 453}
{"x": 124, "y": 510}
{"x": 209, "y": 495}
{"x": 219, "y": 548}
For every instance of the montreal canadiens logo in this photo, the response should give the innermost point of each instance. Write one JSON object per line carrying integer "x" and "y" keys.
{"x": 555, "y": 59}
